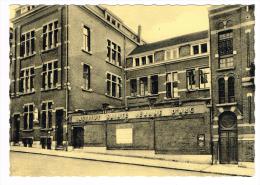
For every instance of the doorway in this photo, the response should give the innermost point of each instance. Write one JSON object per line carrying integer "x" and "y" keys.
{"x": 228, "y": 138}
{"x": 78, "y": 137}
{"x": 59, "y": 127}
{"x": 16, "y": 131}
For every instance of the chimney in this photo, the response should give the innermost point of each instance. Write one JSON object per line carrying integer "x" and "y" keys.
{"x": 139, "y": 33}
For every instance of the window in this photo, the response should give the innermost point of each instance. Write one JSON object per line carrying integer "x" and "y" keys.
{"x": 190, "y": 79}
{"x": 50, "y": 75}
{"x": 27, "y": 80}
{"x": 171, "y": 54}
{"x": 86, "y": 38}
{"x": 172, "y": 85}
{"x": 133, "y": 87}
{"x": 150, "y": 59}
{"x": 113, "y": 53}
{"x": 225, "y": 43}
{"x": 50, "y": 35}
{"x": 221, "y": 90}
{"x": 184, "y": 51}
{"x": 154, "y": 84}
{"x": 46, "y": 114}
{"x": 249, "y": 101}
{"x": 159, "y": 56}
{"x": 195, "y": 49}
{"x": 204, "y": 78}
{"x": 226, "y": 62}
{"x": 204, "y": 48}
{"x": 248, "y": 58}
{"x": 231, "y": 89}
{"x": 143, "y": 86}
{"x": 137, "y": 62}
{"x": 114, "y": 85}
{"x": 27, "y": 47}
{"x": 28, "y": 116}
{"x": 86, "y": 76}
{"x": 144, "y": 60}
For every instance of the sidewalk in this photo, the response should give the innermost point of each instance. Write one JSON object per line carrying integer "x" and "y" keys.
{"x": 234, "y": 170}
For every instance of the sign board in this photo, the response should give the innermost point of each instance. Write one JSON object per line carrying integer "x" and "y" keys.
{"x": 150, "y": 113}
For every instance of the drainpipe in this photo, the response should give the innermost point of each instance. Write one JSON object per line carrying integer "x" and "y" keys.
{"x": 67, "y": 77}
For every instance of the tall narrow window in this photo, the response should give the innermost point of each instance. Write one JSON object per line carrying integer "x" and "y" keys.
{"x": 204, "y": 78}
{"x": 221, "y": 90}
{"x": 86, "y": 76}
{"x": 133, "y": 87}
{"x": 137, "y": 62}
{"x": 150, "y": 59}
{"x": 190, "y": 79}
{"x": 225, "y": 43}
{"x": 50, "y": 35}
{"x": 114, "y": 85}
{"x": 27, "y": 80}
{"x": 113, "y": 53}
{"x": 50, "y": 75}
{"x": 46, "y": 114}
{"x": 231, "y": 89}
{"x": 248, "y": 49}
{"x": 143, "y": 86}
{"x": 28, "y": 116}
{"x": 144, "y": 60}
{"x": 86, "y": 38}
{"x": 154, "y": 84}
{"x": 27, "y": 46}
{"x": 249, "y": 101}
{"x": 172, "y": 85}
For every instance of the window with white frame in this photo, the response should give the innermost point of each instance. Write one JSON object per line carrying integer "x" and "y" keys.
{"x": 143, "y": 60}
{"x": 50, "y": 75}
{"x": 137, "y": 62}
{"x": 150, "y": 59}
{"x": 154, "y": 84}
{"x": 199, "y": 48}
{"x": 190, "y": 79}
{"x": 27, "y": 46}
{"x": 50, "y": 35}
{"x": 86, "y": 38}
{"x": 114, "y": 85}
{"x": 171, "y": 54}
{"x": 226, "y": 62}
{"x": 46, "y": 114}
{"x": 27, "y": 80}
{"x": 204, "y": 78}
{"x": 133, "y": 87}
{"x": 143, "y": 86}
{"x": 172, "y": 85}
{"x": 86, "y": 76}
{"x": 28, "y": 116}
{"x": 113, "y": 53}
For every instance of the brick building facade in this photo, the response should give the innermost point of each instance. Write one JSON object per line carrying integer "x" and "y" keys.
{"x": 81, "y": 78}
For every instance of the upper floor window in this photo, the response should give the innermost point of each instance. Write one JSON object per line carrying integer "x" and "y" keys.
{"x": 113, "y": 53}
{"x": 171, "y": 54}
{"x": 172, "y": 85}
{"x": 28, "y": 116}
{"x": 225, "y": 43}
{"x": 231, "y": 89}
{"x": 27, "y": 80}
{"x": 199, "y": 48}
{"x": 150, "y": 59}
{"x": 86, "y": 38}
{"x": 133, "y": 87}
{"x": 143, "y": 60}
{"x": 86, "y": 76}
{"x": 226, "y": 62}
{"x": 190, "y": 79}
{"x": 50, "y": 35}
{"x": 144, "y": 86}
{"x": 159, "y": 56}
{"x": 154, "y": 84}
{"x": 50, "y": 75}
{"x": 27, "y": 46}
{"x": 137, "y": 62}
{"x": 46, "y": 114}
{"x": 221, "y": 90}
{"x": 184, "y": 51}
{"x": 114, "y": 85}
{"x": 204, "y": 78}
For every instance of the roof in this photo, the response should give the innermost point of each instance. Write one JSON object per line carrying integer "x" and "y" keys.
{"x": 169, "y": 42}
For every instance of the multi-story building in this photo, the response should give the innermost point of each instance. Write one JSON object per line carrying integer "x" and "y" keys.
{"x": 232, "y": 69}
{"x": 65, "y": 59}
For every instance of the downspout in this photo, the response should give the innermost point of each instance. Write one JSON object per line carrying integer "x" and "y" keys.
{"x": 67, "y": 77}
{"x": 124, "y": 73}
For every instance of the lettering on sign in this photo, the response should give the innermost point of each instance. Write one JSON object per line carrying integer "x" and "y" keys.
{"x": 184, "y": 110}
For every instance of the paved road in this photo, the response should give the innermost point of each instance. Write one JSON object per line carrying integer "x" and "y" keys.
{"x": 25, "y": 164}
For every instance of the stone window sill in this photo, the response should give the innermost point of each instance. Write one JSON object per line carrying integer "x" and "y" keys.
{"x": 49, "y": 49}
{"x": 113, "y": 97}
{"x": 86, "y": 90}
{"x": 28, "y": 56}
{"x": 85, "y": 51}
{"x": 225, "y": 69}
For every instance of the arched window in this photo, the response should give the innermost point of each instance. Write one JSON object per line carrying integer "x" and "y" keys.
{"x": 231, "y": 89}
{"x": 220, "y": 25}
{"x": 221, "y": 90}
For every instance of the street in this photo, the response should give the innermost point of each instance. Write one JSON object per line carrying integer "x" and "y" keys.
{"x": 25, "y": 164}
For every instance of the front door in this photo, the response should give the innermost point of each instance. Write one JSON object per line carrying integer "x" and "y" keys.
{"x": 16, "y": 131}
{"x": 59, "y": 127}
{"x": 78, "y": 137}
{"x": 228, "y": 147}
{"x": 228, "y": 138}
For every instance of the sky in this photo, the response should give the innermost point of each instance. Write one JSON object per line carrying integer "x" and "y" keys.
{"x": 162, "y": 22}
